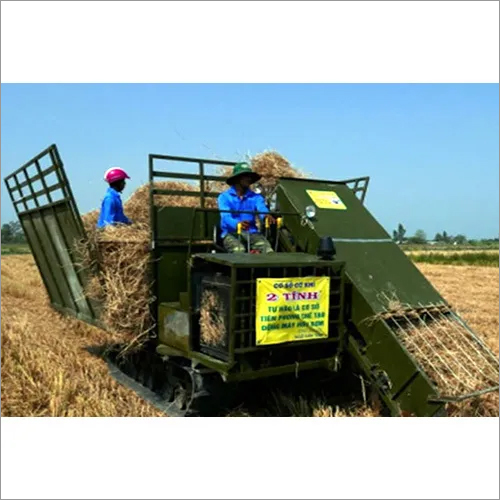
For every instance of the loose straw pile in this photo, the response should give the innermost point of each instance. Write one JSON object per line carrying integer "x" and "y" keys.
{"x": 212, "y": 323}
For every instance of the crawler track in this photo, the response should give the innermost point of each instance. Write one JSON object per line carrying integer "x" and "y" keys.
{"x": 172, "y": 386}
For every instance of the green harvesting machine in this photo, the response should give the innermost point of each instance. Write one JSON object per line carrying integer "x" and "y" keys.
{"x": 337, "y": 292}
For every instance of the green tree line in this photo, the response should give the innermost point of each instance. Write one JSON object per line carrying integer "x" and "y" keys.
{"x": 12, "y": 232}
{"x": 420, "y": 238}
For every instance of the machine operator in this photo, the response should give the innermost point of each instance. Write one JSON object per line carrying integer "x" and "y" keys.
{"x": 239, "y": 197}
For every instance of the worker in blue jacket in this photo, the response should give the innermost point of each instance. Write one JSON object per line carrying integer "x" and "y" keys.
{"x": 239, "y": 197}
{"x": 112, "y": 207}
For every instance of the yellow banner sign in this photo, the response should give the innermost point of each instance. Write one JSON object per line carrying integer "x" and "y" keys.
{"x": 326, "y": 199}
{"x": 291, "y": 309}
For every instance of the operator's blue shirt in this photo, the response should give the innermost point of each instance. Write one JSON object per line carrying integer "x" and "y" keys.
{"x": 251, "y": 201}
{"x": 112, "y": 209}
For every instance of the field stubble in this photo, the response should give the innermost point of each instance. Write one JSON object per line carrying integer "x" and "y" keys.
{"x": 47, "y": 370}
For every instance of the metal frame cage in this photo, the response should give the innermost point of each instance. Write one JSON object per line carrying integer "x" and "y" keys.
{"x": 52, "y": 224}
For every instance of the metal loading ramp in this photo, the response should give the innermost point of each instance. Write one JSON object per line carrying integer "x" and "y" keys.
{"x": 44, "y": 204}
{"x": 405, "y": 337}
{"x": 444, "y": 347}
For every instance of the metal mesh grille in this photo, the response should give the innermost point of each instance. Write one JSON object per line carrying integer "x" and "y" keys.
{"x": 447, "y": 350}
{"x": 35, "y": 186}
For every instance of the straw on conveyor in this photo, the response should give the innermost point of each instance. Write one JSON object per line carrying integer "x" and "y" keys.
{"x": 451, "y": 355}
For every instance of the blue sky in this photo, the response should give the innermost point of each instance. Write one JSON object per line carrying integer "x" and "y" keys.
{"x": 432, "y": 151}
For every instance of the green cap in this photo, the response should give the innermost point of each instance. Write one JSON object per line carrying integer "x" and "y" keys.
{"x": 242, "y": 169}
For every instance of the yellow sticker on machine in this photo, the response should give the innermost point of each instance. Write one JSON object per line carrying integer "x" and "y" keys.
{"x": 326, "y": 199}
{"x": 291, "y": 309}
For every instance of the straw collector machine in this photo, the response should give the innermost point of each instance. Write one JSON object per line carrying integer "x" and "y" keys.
{"x": 336, "y": 291}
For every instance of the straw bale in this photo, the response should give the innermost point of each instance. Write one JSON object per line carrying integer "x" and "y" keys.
{"x": 271, "y": 166}
{"x": 137, "y": 206}
{"x": 120, "y": 282}
{"x": 212, "y": 325}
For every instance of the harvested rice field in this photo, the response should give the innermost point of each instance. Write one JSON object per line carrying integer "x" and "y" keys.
{"x": 459, "y": 251}
{"x": 465, "y": 257}
{"x": 47, "y": 369}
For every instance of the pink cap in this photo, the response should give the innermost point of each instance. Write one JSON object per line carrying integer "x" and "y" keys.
{"x": 115, "y": 174}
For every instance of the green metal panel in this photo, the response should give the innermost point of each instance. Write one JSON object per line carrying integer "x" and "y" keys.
{"x": 374, "y": 263}
{"x": 173, "y": 327}
{"x": 414, "y": 396}
{"x": 184, "y": 223}
{"x": 171, "y": 277}
{"x": 72, "y": 235}
{"x": 171, "y": 268}
{"x": 384, "y": 267}
{"x": 264, "y": 260}
{"x": 52, "y": 225}
{"x": 326, "y": 363}
{"x": 57, "y": 257}
{"x": 42, "y": 260}
{"x": 355, "y": 222}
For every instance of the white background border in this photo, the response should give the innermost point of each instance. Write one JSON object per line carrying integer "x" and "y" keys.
{"x": 250, "y": 42}
{"x": 250, "y": 458}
